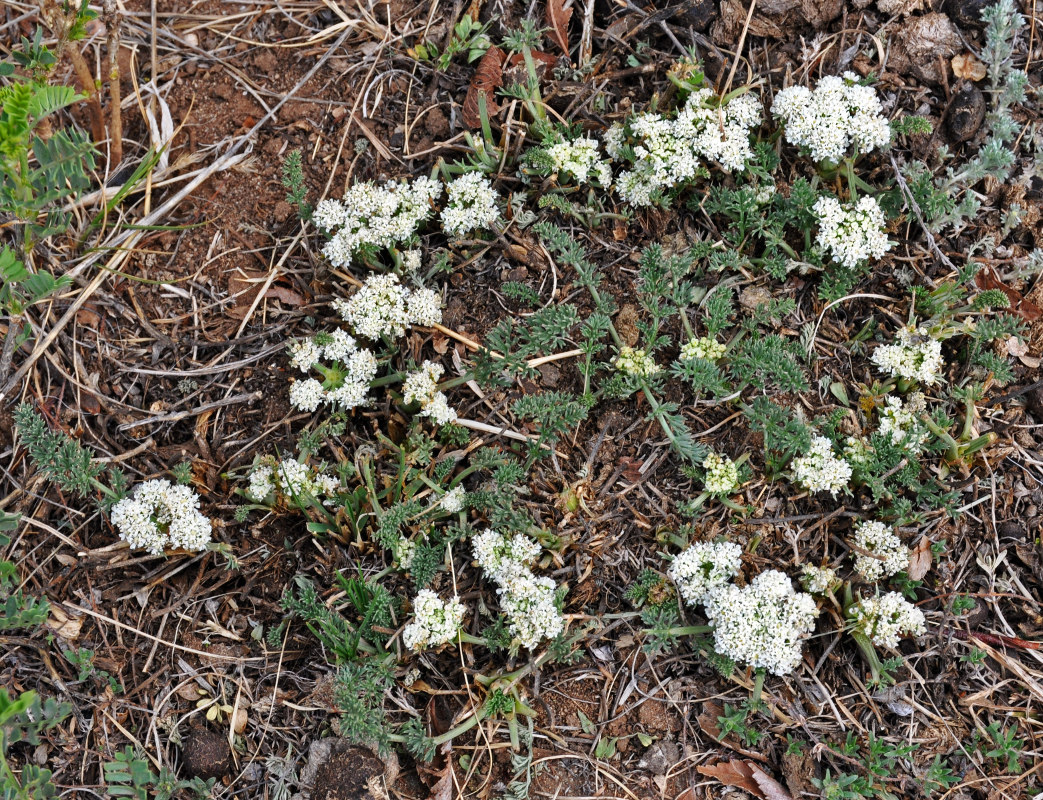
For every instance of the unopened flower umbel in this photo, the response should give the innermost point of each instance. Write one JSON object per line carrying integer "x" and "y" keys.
{"x": 885, "y": 619}
{"x": 527, "y": 600}
{"x": 762, "y": 624}
{"x": 916, "y": 355}
{"x": 159, "y": 515}
{"x": 471, "y": 206}
{"x": 885, "y": 554}
{"x": 703, "y": 347}
{"x": 703, "y": 567}
{"x": 635, "y": 362}
{"x": 375, "y": 216}
{"x": 453, "y": 500}
{"x": 435, "y": 621}
{"x": 722, "y": 474}
{"x": 850, "y": 233}
{"x": 820, "y": 470}
{"x": 839, "y": 114}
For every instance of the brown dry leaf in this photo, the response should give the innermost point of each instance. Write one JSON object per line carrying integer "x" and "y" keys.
{"x": 487, "y": 79}
{"x": 920, "y": 560}
{"x": 733, "y": 773}
{"x": 558, "y": 21}
{"x": 62, "y": 624}
{"x": 748, "y": 776}
{"x": 967, "y": 66}
{"x": 770, "y": 788}
{"x": 1026, "y": 309}
{"x": 1016, "y": 347}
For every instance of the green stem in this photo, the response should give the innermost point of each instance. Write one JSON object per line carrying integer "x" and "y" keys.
{"x": 869, "y": 652}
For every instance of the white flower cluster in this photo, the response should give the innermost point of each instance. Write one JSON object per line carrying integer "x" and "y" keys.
{"x": 453, "y": 500}
{"x": 762, "y": 624}
{"x": 702, "y": 347}
{"x": 850, "y": 233}
{"x": 838, "y": 114}
{"x": 288, "y": 480}
{"x": 159, "y": 515}
{"x": 885, "y": 619}
{"x": 704, "y": 567}
{"x": 435, "y": 621}
{"x": 411, "y": 261}
{"x": 635, "y": 362}
{"x": 722, "y": 474}
{"x": 915, "y": 356}
{"x": 901, "y": 421}
{"x": 819, "y": 470}
{"x": 422, "y": 387}
{"x": 887, "y": 555}
{"x": 817, "y": 580}
{"x": 378, "y": 216}
{"x": 527, "y": 600}
{"x": 580, "y": 158}
{"x": 669, "y": 152}
{"x": 384, "y": 307}
{"x": 346, "y": 378}
{"x": 471, "y": 204}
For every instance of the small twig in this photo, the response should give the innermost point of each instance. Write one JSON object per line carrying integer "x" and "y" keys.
{"x": 111, "y": 18}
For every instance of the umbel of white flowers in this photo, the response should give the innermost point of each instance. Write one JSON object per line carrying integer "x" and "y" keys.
{"x": 435, "y": 621}
{"x": 527, "y": 600}
{"x": 837, "y": 115}
{"x": 159, "y": 515}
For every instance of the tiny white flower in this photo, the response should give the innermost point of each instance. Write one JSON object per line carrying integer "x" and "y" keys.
{"x": 307, "y": 395}
{"x": 453, "y": 500}
{"x": 580, "y": 159}
{"x": 817, "y": 580}
{"x": 879, "y": 540}
{"x": 901, "y": 420}
{"x": 527, "y": 600}
{"x": 411, "y": 260}
{"x": 289, "y": 481}
{"x": 839, "y": 114}
{"x": 885, "y": 619}
{"x": 375, "y": 216}
{"x": 421, "y": 387}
